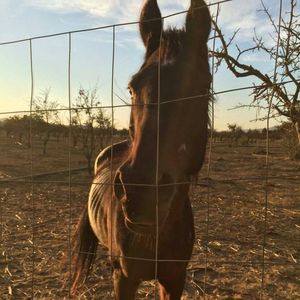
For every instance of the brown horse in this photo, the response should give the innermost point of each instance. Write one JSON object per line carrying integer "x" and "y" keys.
{"x": 144, "y": 217}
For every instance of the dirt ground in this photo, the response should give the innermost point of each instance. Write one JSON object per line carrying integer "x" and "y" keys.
{"x": 37, "y": 222}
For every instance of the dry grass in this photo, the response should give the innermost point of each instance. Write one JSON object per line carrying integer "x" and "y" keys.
{"x": 235, "y": 230}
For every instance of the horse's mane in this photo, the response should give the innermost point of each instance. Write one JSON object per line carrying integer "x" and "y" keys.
{"x": 172, "y": 43}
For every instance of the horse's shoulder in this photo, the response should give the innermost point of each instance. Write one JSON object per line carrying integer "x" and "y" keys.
{"x": 115, "y": 150}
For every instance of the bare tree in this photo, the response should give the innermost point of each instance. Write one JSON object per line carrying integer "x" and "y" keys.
{"x": 235, "y": 132}
{"x": 87, "y": 121}
{"x": 286, "y": 101}
{"x": 103, "y": 128}
{"x": 46, "y": 111}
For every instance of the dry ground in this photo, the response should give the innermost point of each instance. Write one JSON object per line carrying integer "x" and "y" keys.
{"x": 232, "y": 249}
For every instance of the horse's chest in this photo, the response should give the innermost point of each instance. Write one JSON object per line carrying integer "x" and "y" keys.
{"x": 139, "y": 252}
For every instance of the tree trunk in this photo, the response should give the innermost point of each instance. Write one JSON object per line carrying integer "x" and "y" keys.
{"x": 297, "y": 129}
{"x": 75, "y": 141}
{"x": 29, "y": 140}
{"x": 89, "y": 164}
{"x": 44, "y": 147}
{"x": 45, "y": 142}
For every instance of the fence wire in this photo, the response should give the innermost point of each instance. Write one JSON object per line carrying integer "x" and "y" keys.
{"x": 266, "y": 204}
{"x": 207, "y": 183}
{"x": 112, "y": 143}
{"x": 107, "y": 26}
{"x": 204, "y": 182}
{"x": 212, "y": 128}
{"x": 70, "y": 164}
{"x": 157, "y": 163}
{"x": 31, "y": 165}
{"x": 163, "y": 101}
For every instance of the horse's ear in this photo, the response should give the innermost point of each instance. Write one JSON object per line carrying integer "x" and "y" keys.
{"x": 151, "y": 26}
{"x": 198, "y": 21}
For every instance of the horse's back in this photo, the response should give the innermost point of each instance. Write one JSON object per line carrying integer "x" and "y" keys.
{"x": 101, "y": 200}
{"x": 110, "y": 152}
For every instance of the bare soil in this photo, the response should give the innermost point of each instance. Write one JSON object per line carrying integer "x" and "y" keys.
{"x": 232, "y": 226}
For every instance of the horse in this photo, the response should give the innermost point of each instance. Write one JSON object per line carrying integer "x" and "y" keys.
{"x": 138, "y": 205}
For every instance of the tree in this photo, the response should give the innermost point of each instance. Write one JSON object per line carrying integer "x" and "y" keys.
{"x": 286, "y": 98}
{"x": 87, "y": 121}
{"x": 124, "y": 133}
{"x": 289, "y": 141}
{"x": 12, "y": 127}
{"x": 22, "y": 127}
{"x": 235, "y": 132}
{"x": 103, "y": 128}
{"x": 254, "y": 135}
{"x": 46, "y": 110}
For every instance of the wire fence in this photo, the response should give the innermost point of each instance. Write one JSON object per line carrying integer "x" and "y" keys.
{"x": 207, "y": 183}
{"x": 267, "y": 154}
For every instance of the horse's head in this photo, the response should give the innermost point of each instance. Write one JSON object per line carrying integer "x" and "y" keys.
{"x": 168, "y": 141}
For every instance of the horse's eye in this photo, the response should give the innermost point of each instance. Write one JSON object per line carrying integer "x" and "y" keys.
{"x": 130, "y": 91}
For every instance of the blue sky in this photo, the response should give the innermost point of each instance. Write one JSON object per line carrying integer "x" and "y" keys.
{"x": 91, "y": 51}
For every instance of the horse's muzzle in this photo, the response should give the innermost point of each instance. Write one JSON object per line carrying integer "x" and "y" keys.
{"x": 145, "y": 206}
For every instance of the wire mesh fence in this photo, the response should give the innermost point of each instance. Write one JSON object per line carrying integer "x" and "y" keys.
{"x": 260, "y": 259}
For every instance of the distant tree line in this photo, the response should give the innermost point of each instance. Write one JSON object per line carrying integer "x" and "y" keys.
{"x": 90, "y": 131}
{"x": 284, "y": 133}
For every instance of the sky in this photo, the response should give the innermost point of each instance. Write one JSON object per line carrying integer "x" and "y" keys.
{"x": 91, "y": 57}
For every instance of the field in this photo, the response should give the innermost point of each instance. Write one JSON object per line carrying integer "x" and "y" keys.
{"x": 38, "y": 219}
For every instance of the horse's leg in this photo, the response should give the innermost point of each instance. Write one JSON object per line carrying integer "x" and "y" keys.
{"x": 124, "y": 287}
{"x": 171, "y": 289}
